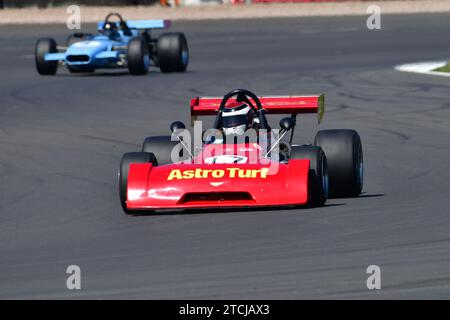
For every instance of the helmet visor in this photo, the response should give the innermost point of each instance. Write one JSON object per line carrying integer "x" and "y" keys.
{"x": 234, "y": 121}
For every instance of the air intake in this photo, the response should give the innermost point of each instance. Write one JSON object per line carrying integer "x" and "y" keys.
{"x": 215, "y": 197}
{"x": 78, "y": 58}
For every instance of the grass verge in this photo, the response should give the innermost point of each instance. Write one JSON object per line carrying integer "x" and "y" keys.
{"x": 445, "y": 68}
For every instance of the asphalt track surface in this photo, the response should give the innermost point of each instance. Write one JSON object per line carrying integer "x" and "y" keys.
{"x": 61, "y": 139}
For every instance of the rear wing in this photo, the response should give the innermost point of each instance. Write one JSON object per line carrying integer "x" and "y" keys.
{"x": 209, "y": 106}
{"x": 142, "y": 24}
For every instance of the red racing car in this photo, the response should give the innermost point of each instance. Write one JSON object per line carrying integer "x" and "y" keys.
{"x": 242, "y": 161}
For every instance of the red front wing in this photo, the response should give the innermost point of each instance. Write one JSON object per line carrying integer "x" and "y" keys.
{"x": 177, "y": 186}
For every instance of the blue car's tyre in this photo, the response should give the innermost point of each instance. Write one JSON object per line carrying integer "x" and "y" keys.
{"x": 44, "y": 46}
{"x": 318, "y": 172}
{"x": 172, "y": 52}
{"x": 344, "y": 153}
{"x": 138, "y": 56}
{"x": 127, "y": 159}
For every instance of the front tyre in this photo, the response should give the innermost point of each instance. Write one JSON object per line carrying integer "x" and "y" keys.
{"x": 172, "y": 52}
{"x": 44, "y": 46}
{"x": 127, "y": 159}
{"x": 318, "y": 173}
{"x": 138, "y": 56}
{"x": 344, "y": 153}
{"x": 165, "y": 150}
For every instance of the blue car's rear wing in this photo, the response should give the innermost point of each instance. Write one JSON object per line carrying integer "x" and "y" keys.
{"x": 142, "y": 24}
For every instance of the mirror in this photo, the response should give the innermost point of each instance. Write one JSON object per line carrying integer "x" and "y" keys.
{"x": 286, "y": 124}
{"x": 177, "y": 125}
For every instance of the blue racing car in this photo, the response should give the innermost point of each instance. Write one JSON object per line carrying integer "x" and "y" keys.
{"x": 118, "y": 44}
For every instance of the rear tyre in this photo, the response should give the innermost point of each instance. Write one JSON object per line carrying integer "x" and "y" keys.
{"x": 138, "y": 56}
{"x": 44, "y": 46}
{"x": 162, "y": 147}
{"x": 127, "y": 159}
{"x": 318, "y": 173}
{"x": 173, "y": 53}
{"x": 343, "y": 150}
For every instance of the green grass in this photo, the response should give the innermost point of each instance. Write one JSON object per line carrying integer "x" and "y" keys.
{"x": 445, "y": 68}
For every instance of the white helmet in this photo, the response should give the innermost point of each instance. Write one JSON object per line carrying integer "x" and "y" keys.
{"x": 237, "y": 119}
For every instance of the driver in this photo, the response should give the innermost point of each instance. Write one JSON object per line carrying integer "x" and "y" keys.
{"x": 110, "y": 30}
{"x": 237, "y": 119}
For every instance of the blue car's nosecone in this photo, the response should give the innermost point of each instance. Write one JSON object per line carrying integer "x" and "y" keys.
{"x": 96, "y": 52}
{"x": 84, "y": 52}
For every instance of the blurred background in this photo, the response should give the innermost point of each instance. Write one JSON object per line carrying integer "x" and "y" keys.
{"x": 48, "y": 3}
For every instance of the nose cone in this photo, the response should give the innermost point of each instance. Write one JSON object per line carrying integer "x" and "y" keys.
{"x": 84, "y": 52}
{"x": 87, "y": 47}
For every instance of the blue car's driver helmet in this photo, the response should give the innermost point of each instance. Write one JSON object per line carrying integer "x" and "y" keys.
{"x": 237, "y": 118}
{"x": 110, "y": 30}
